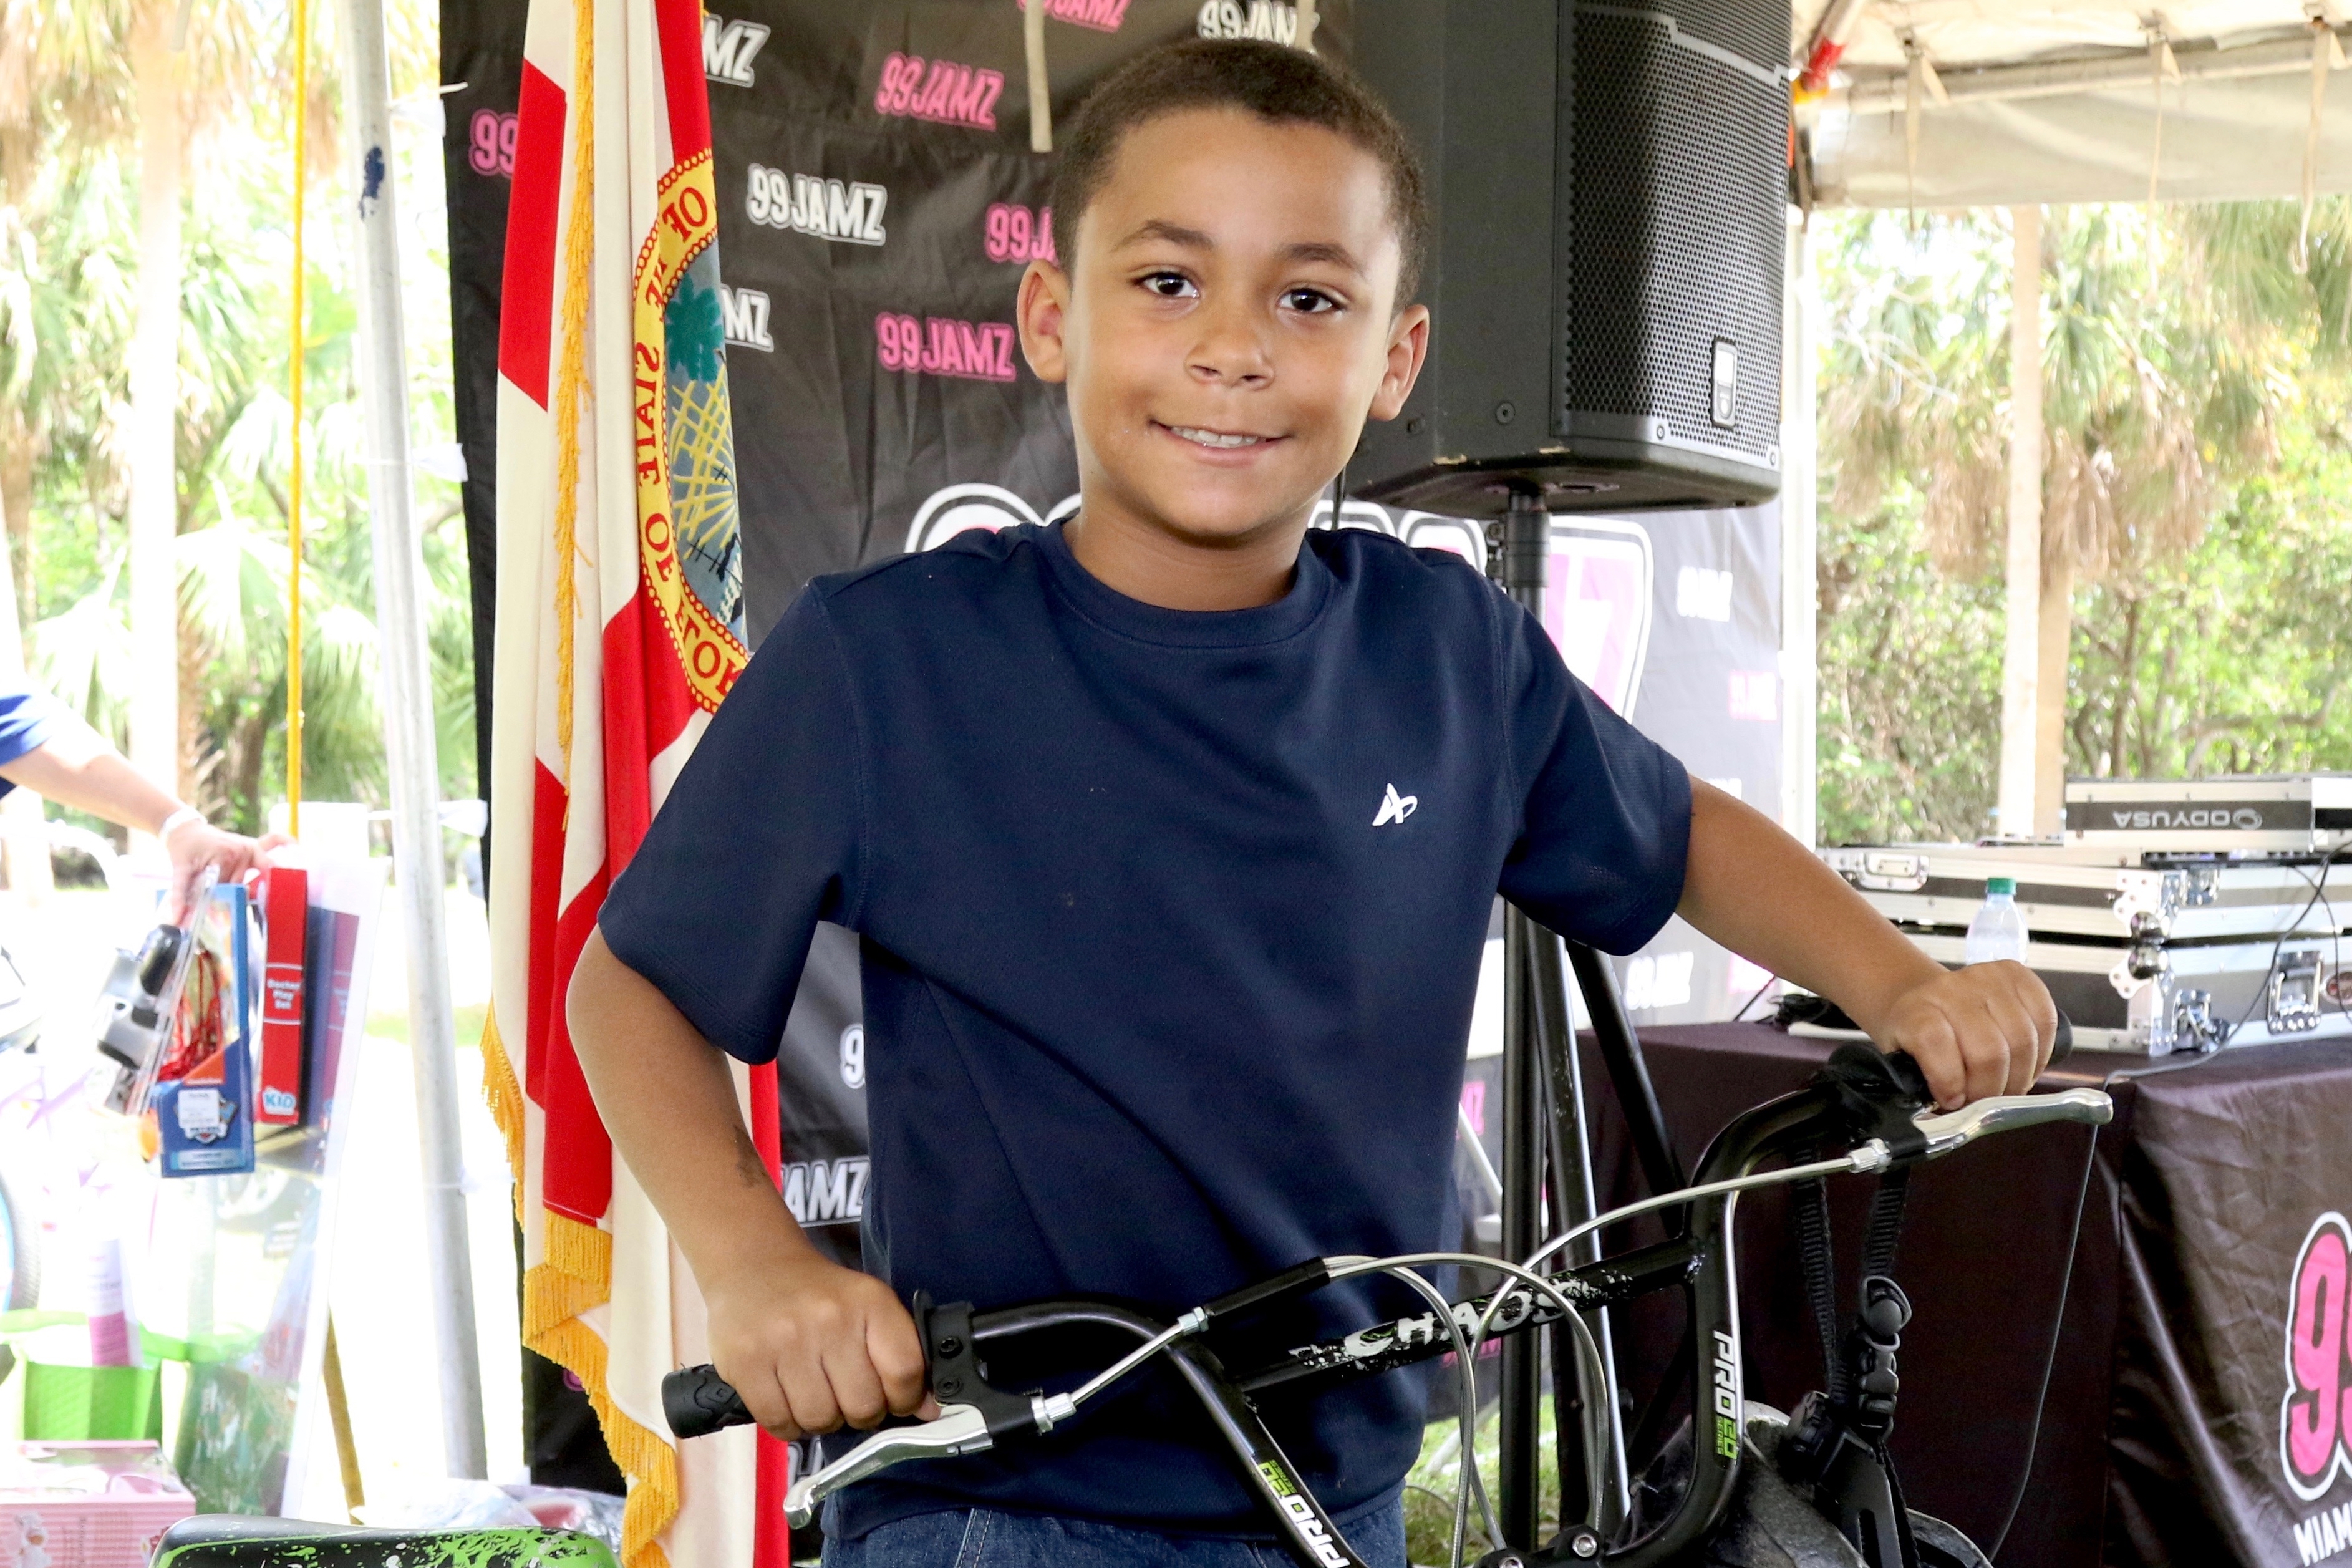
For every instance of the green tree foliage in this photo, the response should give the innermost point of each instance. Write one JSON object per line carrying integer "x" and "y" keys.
{"x": 68, "y": 261}
{"x": 2236, "y": 658}
{"x": 2195, "y": 455}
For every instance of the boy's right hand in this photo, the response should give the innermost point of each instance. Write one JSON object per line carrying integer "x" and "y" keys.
{"x": 810, "y": 1345}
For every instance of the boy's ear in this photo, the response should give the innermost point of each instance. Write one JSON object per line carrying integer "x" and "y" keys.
{"x": 1042, "y": 309}
{"x": 1408, "y": 347}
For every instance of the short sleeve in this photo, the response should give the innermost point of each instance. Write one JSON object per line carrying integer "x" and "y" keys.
{"x": 1604, "y": 827}
{"x": 759, "y": 840}
{"x": 28, "y": 719}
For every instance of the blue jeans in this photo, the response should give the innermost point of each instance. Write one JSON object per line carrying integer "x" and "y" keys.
{"x": 985, "y": 1538}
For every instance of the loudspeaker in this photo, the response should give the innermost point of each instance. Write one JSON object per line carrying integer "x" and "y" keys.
{"x": 1608, "y": 182}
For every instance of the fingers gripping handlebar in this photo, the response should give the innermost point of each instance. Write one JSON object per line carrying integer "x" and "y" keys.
{"x": 699, "y": 1402}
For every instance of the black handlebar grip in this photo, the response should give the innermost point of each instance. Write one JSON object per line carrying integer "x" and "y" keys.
{"x": 2065, "y": 1041}
{"x": 699, "y": 1402}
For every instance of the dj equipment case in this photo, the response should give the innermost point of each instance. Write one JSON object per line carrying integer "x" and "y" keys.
{"x": 2155, "y": 952}
{"x": 2294, "y": 812}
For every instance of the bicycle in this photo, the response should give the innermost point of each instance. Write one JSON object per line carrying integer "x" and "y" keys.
{"x": 1833, "y": 1456}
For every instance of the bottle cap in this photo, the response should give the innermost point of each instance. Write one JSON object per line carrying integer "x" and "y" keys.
{"x": 1999, "y": 885}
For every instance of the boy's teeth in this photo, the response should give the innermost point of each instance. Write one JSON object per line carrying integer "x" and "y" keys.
{"x": 1211, "y": 438}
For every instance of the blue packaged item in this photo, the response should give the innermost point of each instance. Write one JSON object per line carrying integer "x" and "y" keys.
{"x": 205, "y": 1120}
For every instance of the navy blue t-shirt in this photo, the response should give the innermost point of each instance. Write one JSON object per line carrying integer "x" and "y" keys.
{"x": 1170, "y": 925}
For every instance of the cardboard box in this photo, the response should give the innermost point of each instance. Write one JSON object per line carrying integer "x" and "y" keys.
{"x": 284, "y": 904}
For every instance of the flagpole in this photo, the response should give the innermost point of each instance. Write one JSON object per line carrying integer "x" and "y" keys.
{"x": 409, "y": 746}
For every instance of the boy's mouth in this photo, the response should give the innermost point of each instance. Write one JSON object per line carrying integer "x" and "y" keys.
{"x": 1216, "y": 440}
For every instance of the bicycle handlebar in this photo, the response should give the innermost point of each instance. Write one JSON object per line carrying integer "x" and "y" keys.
{"x": 699, "y": 1402}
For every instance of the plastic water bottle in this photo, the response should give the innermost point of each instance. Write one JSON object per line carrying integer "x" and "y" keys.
{"x": 1998, "y": 929}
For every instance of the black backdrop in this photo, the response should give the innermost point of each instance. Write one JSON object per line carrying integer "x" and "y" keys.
{"x": 877, "y": 203}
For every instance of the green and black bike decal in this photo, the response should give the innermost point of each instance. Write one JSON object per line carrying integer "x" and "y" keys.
{"x": 266, "y": 1548}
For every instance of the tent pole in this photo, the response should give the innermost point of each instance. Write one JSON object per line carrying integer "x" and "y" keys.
{"x": 2021, "y": 643}
{"x": 408, "y": 736}
{"x": 1883, "y": 91}
{"x": 1799, "y": 488}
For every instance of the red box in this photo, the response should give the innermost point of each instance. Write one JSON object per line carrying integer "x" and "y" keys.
{"x": 285, "y": 915}
{"x": 86, "y": 1505}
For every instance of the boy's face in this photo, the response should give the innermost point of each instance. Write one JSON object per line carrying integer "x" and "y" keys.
{"x": 1229, "y": 322}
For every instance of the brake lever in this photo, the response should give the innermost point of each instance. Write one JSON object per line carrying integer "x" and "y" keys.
{"x": 960, "y": 1429}
{"x": 1950, "y": 1130}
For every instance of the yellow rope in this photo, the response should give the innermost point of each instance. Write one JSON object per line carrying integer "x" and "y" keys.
{"x": 294, "y": 471}
{"x": 570, "y": 373}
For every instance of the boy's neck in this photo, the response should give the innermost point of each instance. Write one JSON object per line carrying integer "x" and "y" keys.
{"x": 1149, "y": 561}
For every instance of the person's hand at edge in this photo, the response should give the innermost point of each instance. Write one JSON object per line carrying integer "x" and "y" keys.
{"x": 193, "y": 843}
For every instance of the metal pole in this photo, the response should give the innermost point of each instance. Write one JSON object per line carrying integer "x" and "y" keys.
{"x": 1629, "y": 1070}
{"x": 1574, "y": 1200}
{"x": 1521, "y": 554}
{"x": 1800, "y": 486}
{"x": 2021, "y": 662}
{"x": 1518, "y": 1481}
{"x": 409, "y": 742}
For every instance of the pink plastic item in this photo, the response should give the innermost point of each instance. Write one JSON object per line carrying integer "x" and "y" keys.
{"x": 86, "y": 1505}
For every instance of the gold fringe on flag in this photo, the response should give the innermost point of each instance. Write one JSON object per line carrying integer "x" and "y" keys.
{"x": 505, "y": 1096}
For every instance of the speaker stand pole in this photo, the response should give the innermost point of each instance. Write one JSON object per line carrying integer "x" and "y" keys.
{"x": 1519, "y": 551}
{"x": 1591, "y": 1391}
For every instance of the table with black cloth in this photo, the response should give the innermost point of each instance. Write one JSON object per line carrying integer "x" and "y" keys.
{"x": 2159, "y": 1439}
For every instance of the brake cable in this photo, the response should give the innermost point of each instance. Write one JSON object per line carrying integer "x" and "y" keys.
{"x": 1465, "y": 1352}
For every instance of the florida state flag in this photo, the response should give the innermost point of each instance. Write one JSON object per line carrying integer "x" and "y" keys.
{"x": 619, "y": 631}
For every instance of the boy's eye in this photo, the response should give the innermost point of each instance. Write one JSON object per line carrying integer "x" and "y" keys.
{"x": 1170, "y": 285}
{"x": 1308, "y": 301}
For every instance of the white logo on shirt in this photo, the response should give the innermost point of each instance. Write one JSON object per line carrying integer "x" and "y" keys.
{"x": 1395, "y": 808}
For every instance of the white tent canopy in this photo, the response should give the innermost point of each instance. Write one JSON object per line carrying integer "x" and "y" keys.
{"x": 1949, "y": 103}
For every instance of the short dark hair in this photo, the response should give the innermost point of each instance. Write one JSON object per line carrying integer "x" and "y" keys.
{"x": 1270, "y": 80}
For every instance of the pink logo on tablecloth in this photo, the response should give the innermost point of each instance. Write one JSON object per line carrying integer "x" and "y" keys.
{"x": 2316, "y": 1417}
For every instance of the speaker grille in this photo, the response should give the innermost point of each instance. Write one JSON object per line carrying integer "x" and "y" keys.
{"x": 1756, "y": 30}
{"x": 1675, "y": 239}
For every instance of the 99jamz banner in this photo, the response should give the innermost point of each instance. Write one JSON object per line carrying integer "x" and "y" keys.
{"x": 878, "y": 200}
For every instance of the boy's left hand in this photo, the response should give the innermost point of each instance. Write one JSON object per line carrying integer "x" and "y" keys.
{"x": 1983, "y": 1030}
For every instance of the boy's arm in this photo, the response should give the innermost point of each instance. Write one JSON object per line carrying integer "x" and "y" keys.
{"x": 808, "y": 1343}
{"x": 1986, "y": 1030}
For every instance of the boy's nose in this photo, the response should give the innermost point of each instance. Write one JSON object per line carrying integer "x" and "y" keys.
{"x": 1230, "y": 351}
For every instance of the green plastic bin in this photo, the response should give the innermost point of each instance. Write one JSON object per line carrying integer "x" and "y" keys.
{"x": 92, "y": 1403}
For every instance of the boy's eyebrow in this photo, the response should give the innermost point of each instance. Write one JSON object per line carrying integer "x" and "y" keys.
{"x": 1173, "y": 233}
{"x": 1194, "y": 239}
{"x": 1323, "y": 250}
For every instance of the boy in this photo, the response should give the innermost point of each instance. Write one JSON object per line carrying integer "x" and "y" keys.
{"x": 1159, "y": 999}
